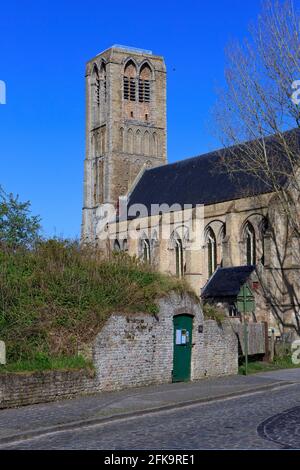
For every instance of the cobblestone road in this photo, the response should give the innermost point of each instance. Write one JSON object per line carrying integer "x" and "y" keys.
{"x": 257, "y": 421}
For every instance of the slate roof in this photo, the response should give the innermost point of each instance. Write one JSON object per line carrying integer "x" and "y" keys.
{"x": 198, "y": 180}
{"x": 227, "y": 282}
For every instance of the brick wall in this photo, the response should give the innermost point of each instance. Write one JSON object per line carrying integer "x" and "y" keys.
{"x": 39, "y": 387}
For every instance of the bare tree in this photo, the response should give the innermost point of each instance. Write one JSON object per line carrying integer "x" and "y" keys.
{"x": 259, "y": 124}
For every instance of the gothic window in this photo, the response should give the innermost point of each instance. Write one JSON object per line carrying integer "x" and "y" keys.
{"x": 117, "y": 246}
{"x": 121, "y": 137}
{"x": 102, "y": 141}
{"x": 264, "y": 228}
{"x": 129, "y": 82}
{"x": 138, "y": 142}
{"x": 100, "y": 182}
{"x": 103, "y": 80}
{"x": 130, "y": 141}
{"x": 96, "y": 85}
{"x": 179, "y": 257}
{"x": 95, "y": 95}
{"x": 95, "y": 189}
{"x": 211, "y": 252}
{"x": 154, "y": 144}
{"x": 146, "y": 251}
{"x": 250, "y": 244}
{"x": 144, "y": 84}
{"x": 222, "y": 236}
{"x": 146, "y": 143}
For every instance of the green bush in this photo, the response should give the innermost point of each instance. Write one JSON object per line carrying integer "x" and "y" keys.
{"x": 212, "y": 312}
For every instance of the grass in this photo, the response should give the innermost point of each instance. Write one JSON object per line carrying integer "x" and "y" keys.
{"x": 43, "y": 362}
{"x": 260, "y": 366}
{"x": 57, "y": 297}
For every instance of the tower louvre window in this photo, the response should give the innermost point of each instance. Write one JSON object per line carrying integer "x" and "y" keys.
{"x": 129, "y": 89}
{"x": 126, "y": 88}
{"x": 144, "y": 91}
{"x": 98, "y": 91}
{"x": 132, "y": 89}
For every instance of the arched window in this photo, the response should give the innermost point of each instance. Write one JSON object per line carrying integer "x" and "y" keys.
{"x": 146, "y": 149}
{"x": 129, "y": 82}
{"x": 211, "y": 252}
{"x": 222, "y": 235}
{"x": 263, "y": 229}
{"x": 179, "y": 257}
{"x": 116, "y": 246}
{"x": 121, "y": 137}
{"x": 130, "y": 141}
{"x": 154, "y": 144}
{"x": 250, "y": 244}
{"x": 146, "y": 251}
{"x": 138, "y": 138}
{"x": 102, "y": 141}
{"x": 96, "y": 84}
{"x": 144, "y": 84}
{"x": 103, "y": 80}
{"x": 95, "y": 95}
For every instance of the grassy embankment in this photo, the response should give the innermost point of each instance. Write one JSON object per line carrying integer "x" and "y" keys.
{"x": 281, "y": 362}
{"x": 57, "y": 297}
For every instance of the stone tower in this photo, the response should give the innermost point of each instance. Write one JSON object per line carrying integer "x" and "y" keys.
{"x": 125, "y": 126}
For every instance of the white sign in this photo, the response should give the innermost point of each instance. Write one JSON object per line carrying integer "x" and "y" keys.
{"x": 182, "y": 336}
{"x": 178, "y": 336}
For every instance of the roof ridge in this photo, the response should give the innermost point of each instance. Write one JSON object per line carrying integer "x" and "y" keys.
{"x": 220, "y": 150}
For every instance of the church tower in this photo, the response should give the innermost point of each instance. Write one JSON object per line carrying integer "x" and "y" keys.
{"x": 125, "y": 125}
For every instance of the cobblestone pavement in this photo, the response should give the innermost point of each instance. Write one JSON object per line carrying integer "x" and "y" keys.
{"x": 104, "y": 405}
{"x": 235, "y": 423}
{"x": 283, "y": 428}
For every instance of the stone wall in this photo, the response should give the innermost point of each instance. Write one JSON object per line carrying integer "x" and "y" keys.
{"x": 220, "y": 349}
{"x": 132, "y": 350}
{"x": 136, "y": 350}
{"x": 38, "y": 387}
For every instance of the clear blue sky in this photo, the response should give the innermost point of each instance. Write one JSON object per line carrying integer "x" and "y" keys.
{"x": 43, "y": 48}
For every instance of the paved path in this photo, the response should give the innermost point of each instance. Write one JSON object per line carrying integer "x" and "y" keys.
{"x": 225, "y": 423}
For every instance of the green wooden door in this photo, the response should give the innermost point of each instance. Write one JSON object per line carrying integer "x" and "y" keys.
{"x": 245, "y": 300}
{"x": 183, "y": 328}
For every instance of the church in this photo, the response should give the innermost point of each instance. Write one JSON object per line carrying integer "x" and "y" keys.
{"x": 188, "y": 218}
